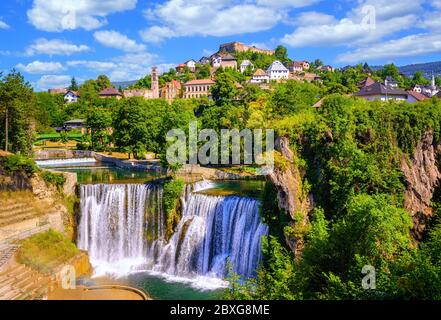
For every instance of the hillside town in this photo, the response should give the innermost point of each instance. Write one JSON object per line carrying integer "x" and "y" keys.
{"x": 277, "y": 72}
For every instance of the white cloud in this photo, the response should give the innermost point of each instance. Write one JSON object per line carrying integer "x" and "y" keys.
{"x": 209, "y": 18}
{"x": 156, "y": 34}
{"x": 52, "y": 81}
{"x": 41, "y": 67}
{"x": 432, "y": 20}
{"x": 57, "y": 15}
{"x": 101, "y": 66}
{"x": 54, "y": 47}
{"x": 4, "y": 25}
{"x": 346, "y": 32}
{"x": 368, "y": 22}
{"x": 131, "y": 66}
{"x": 287, "y": 3}
{"x": 116, "y": 40}
{"x": 413, "y": 45}
{"x": 314, "y": 18}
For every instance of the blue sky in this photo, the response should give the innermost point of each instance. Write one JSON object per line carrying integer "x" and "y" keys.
{"x": 50, "y": 41}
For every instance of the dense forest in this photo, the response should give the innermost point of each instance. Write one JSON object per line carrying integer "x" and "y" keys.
{"x": 349, "y": 153}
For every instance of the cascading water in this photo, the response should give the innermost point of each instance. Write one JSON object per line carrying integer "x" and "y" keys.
{"x": 123, "y": 229}
{"x": 64, "y": 162}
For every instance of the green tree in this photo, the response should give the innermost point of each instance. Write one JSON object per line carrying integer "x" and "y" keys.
{"x": 103, "y": 82}
{"x": 292, "y": 96}
{"x": 282, "y": 54}
{"x": 418, "y": 78}
{"x": 17, "y": 109}
{"x": 73, "y": 85}
{"x": 99, "y": 120}
{"x": 224, "y": 90}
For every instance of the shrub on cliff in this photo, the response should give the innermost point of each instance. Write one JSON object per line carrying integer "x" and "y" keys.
{"x": 52, "y": 178}
{"x": 172, "y": 192}
{"x": 19, "y": 164}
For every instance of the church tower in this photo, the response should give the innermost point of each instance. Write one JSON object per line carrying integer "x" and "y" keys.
{"x": 155, "y": 83}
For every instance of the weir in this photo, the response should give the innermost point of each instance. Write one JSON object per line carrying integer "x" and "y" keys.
{"x": 123, "y": 228}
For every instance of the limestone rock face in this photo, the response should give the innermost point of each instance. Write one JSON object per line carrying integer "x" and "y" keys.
{"x": 422, "y": 174}
{"x": 288, "y": 182}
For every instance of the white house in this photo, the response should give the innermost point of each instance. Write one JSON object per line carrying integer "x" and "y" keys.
{"x": 245, "y": 64}
{"x": 191, "y": 64}
{"x": 259, "y": 76}
{"x": 71, "y": 97}
{"x": 216, "y": 61}
{"x": 379, "y": 91}
{"x": 428, "y": 90}
{"x": 277, "y": 71}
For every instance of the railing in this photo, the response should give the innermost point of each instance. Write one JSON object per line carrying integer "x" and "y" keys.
{"x": 118, "y": 287}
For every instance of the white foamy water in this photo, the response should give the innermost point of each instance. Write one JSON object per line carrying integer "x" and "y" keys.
{"x": 64, "y": 162}
{"x": 123, "y": 229}
{"x": 203, "y": 185}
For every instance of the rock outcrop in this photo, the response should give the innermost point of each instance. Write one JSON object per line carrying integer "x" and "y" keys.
{"x": 291, "y": 199}
{"x": 422, "y": 175}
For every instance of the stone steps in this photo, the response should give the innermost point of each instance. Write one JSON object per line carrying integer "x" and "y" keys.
{"x": 16, "y": 212}
{"x": 13, "y": 206}
{"x": 23, "y": 283}
{"x": 27, "y": 215}
{"x": 6, "y": 254}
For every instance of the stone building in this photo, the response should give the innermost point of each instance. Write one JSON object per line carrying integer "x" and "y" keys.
{"x": 198, "y": 88}
{"x": 171, "y": 90}
{"x": 240, "y": 47}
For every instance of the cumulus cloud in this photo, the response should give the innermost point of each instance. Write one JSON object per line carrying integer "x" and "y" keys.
{"x": 209, "y": 18}
{"x": 130, "y": 66}
{"x": 56, "y": 15}
{"x": 41, "y": 67}
{"x": 313, "y": 18}
{"x": 409, "y": 46}
{"x": 4, "y": 25}
{"x": 54, "y": 47}
{"x": 116, "y": 40}
{"x": 368, "y": 22}
{"x": 287, "y": 3}
{"x": 53, "y": 81}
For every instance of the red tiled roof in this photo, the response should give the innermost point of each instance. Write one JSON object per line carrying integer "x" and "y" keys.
{"x": 366, "y": 82}
{"x": 74, "y": 92}
{"x": 418, "y": 96}
{"x": 201, "y": 81}
{"x": 176, "y": 84}
{"x": 110, "y": 92}
{"x": 259, "y": 72}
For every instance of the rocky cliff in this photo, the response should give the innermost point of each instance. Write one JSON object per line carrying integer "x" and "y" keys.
{"x": 422, "y": 175}
{"x": 287, "y": 179}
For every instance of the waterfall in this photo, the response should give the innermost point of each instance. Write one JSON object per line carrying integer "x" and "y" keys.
{"x": 123, "y": 228}
{"x": 64, "y": 162}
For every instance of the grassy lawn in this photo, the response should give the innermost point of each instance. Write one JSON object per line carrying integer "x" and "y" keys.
{"x": 46, "y": 250}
